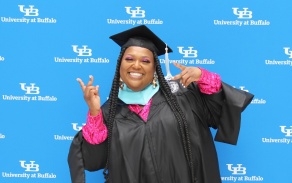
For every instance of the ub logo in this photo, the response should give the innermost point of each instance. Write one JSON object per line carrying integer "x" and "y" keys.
{"x": 288, "y": 51}
{"x": 84, "y": 51}
{"x": 32, "y": 89}
{"x": 31, "y": 11}
{"x": 242, "y": 88}
{"x": 236, "y": 170}
{"x": 190, "y": 53}
{"x": 244, "y": 14}
{"x": 138, "y": 13}
{"x": 30, "y": 167}
{"x": 288, "y": 132}
{"x": 76, "y": 127}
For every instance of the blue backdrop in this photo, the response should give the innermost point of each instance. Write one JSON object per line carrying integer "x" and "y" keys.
{"x": 46, "y": 45}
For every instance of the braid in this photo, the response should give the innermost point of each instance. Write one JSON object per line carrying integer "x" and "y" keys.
{"x": 179, "y": 115}
{"x": 113, "y": 98}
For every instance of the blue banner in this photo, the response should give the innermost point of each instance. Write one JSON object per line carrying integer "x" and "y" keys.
{"x": 46, "y": 45}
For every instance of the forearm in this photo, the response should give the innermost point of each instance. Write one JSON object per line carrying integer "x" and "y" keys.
{"x": 94, "y": 131}
{"x": 209, "y": 82}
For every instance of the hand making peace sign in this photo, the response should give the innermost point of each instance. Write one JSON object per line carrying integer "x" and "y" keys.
{"x": 188, "y": 74}
{"x": 91, "y": 96}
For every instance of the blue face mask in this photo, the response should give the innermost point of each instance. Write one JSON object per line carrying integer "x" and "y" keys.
{"x": 141, "y": 97}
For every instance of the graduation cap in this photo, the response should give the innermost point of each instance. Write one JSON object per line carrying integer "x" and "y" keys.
{"x": 140, "y": 36}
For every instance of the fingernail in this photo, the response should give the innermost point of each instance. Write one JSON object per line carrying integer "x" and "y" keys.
{"x": 77, "y": 79}
{"x": 90, "y": 76}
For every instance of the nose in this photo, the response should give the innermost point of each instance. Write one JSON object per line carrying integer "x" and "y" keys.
{"x": 137, "y": 64}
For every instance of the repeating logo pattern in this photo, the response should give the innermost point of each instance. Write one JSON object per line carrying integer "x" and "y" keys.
{"x": 75, "y": 126}
{"x": 239, "y": 174}
{"x": 35, "y": 17}
{"x": 287, "y": 52}
{"x": 286, "y": 137}
{"x": 30, "y": 15}
{"x": 30, "y": 93}
{"x": 83, "y": 55}
{"x": 31, "y": 170}
{"x": 137, "y": 16}
{"x": 189, "y": 57}
{"x": 244, "y": 18}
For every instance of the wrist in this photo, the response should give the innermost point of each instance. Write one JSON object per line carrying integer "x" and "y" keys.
{"x": 94, "y": 112}
{"x": 199, "y": 75}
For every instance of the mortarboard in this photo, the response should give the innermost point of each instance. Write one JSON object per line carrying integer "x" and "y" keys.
{"x": 140, "y": 36}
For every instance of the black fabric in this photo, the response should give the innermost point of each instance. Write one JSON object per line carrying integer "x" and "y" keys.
{"x": 75, "y": 160}
{"x": 235, "y": 102}
{"x": 85, "y": 156}
{"x": 141, "y": 36}
{"x": 152, "y": 152}
{"x": 94, "y": 156}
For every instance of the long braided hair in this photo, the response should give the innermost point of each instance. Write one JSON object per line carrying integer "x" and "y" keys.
{"x": 171, "y": 100}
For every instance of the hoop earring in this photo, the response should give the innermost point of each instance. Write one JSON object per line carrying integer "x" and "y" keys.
{"x": 121, "y": 84}
{"x": 154, "y": 82}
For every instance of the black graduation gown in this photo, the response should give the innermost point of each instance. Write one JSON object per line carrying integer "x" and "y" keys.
{"x": 152, "y": 151}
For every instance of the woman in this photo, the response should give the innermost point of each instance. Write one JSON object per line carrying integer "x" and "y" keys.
{"x": 152, "y": 130}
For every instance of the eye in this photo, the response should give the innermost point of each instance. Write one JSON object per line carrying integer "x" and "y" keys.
{"x": 129, "y": 58}
{"x": 146, "y": 61}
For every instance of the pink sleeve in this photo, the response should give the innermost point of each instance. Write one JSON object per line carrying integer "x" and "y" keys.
{"x": 209, "y": 82}
{"x": 94, "y": 131}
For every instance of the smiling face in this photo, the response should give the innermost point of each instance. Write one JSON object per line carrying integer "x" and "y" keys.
{"x": 137, "y": 67}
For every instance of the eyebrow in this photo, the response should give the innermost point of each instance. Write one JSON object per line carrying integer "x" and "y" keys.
{"x": 145, "y": 56}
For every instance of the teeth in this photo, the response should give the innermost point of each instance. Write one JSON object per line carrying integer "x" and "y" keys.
{"x": 135, "y": 74}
